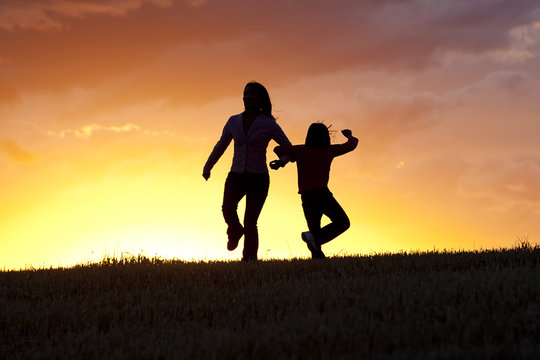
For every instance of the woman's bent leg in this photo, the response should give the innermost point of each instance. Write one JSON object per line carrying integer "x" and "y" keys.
{"x": 233, "y": 193}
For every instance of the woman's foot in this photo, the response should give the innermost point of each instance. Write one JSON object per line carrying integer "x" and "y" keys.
{"x": 234, "y": 234}
{"x": 252, "y": 258}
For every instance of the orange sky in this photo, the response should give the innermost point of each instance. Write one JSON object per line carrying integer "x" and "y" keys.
{"x": 109, "y": 109}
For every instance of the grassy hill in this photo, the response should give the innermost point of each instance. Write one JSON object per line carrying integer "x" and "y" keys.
{"x": 443, "y": 305}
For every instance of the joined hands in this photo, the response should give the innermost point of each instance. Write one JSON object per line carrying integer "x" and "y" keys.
{"x": 276, "y": 164}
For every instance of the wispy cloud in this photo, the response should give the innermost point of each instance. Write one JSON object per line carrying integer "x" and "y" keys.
{"x": 521, "y": 46}
{"x": 87, "y": 131}
{"x": 514, "y": 181}
{"x": 40, "y": 15}
{"x": 16, "y": 152}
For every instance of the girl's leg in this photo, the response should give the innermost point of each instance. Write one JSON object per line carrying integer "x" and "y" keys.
{"x": 313, "y": 214}
{"x": 257, "y": 191}
{"x": 233, "y": 193}
{"x": 339, "y": 219}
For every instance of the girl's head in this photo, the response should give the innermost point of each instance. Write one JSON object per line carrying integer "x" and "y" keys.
{"x": 256, "y": 98}
{"x": 318, "y": 135}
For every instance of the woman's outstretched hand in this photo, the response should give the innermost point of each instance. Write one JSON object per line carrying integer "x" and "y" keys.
{"x": 346, "y": 132}
{"x": 206, "y": 175}
{"x": 276, "y": 164}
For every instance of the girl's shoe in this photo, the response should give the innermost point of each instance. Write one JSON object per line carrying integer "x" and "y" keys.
{"x": 309, "y": 239}
{"x": 310, "y": 242}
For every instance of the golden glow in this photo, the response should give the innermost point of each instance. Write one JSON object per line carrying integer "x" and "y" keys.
{"x": 108, "y": 113}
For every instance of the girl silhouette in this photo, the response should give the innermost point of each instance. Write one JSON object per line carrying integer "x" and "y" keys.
{"x": 313, "y": 162}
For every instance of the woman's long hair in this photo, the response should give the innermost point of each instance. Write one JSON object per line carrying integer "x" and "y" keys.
{"x": 318, "y": 135}
{"x": 266, "y": 105}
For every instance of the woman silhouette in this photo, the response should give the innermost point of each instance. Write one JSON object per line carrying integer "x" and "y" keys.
{"x": 251, "y": 131}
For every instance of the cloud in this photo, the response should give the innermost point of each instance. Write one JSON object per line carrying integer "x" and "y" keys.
{"x": 427, "y": 181}
{"x": 380, "y": 115}
{"x": 16, "y": 152}
{"x": 499, "y": 84}
{"x": 43, "y": 16}
{"x": 495, "y": 112}
{"x": 86, "y": 131}
{"x": 522, "y": 46}
{"x": 171, "y": 52}
{"x": 390, "y": 116}
{"x": 196, "y": 2}
{"x": 8, "y": 94}
{"x": 516, "y": 179}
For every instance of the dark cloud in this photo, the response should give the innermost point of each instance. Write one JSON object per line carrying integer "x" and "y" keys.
{"x": 172, "y": 51}
{"x": 48, "y": 15}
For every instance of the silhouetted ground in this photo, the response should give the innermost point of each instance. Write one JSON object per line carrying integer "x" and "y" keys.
{"x": 443, "y": 305}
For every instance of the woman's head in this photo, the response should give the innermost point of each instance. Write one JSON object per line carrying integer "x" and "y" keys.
{"x": 256, "y": 98}
{"x": 318, "y": 135}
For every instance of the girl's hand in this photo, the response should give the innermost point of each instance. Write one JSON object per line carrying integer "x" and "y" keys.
{"x": 346, "y": 132}
{"x": 206, "y": 175}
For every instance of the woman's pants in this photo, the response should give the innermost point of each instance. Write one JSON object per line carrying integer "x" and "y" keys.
{"x": 255, "y": 188}
{"x": 319, "y": 202}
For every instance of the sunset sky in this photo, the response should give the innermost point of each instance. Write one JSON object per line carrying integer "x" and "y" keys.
{"x": 109, "y": 110}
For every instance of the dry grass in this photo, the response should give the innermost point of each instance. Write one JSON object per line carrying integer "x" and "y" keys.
{"x": 396, "y": 306}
